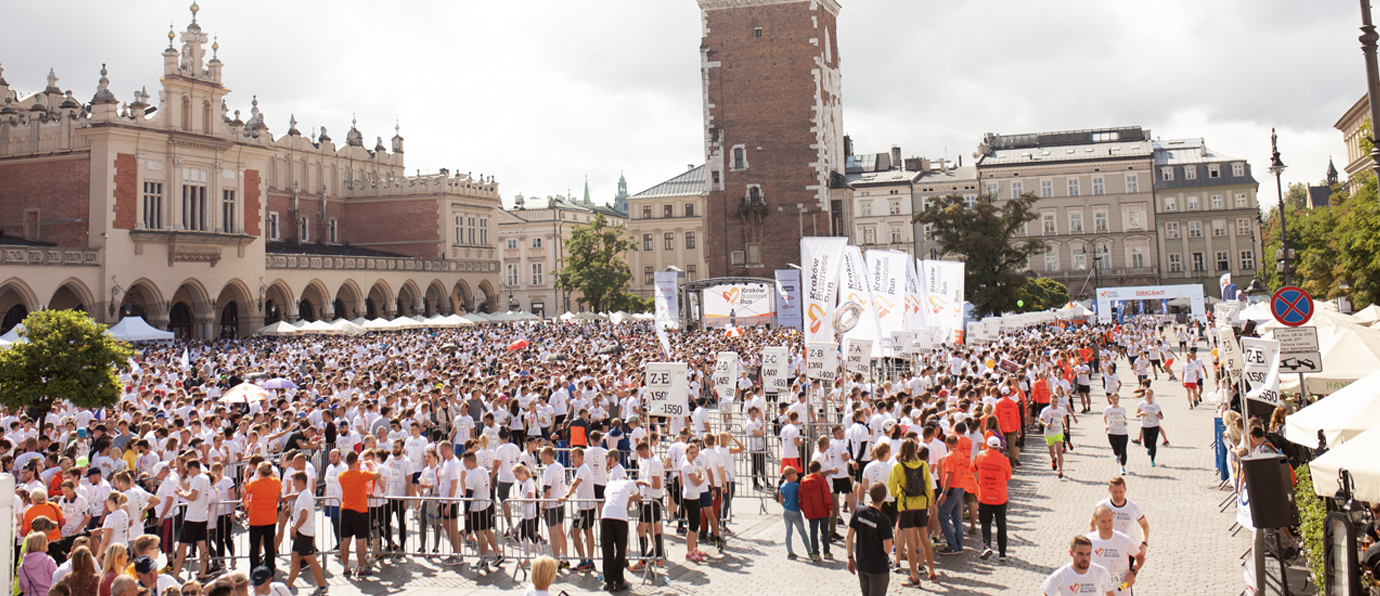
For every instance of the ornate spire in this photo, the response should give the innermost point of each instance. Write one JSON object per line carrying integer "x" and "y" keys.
{"x": 194, "y": 9}
{"x": 292, "y": 126}
{"x": 397, "y": 137}
{"x": 2, "y": 77}
{"x": 1331, "y": 172}
{"x": 215, "y": 47}
{"x": 353, "y": 137}
{"x": 171, "y": 36}
{"x": 103, "y": 94}
{"x": 52, "y": 83}
{"x": 587, "y": 201}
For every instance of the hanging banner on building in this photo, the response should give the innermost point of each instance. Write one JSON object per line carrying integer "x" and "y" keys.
{"x": 857, "y": 355}
{"x": 941, "y": 289}
{"x": 887, "y": 277}
{"x": 739, "y": 305}
{"x": 788, "y": 298}
{"x": 1261, "y": 357}
{"x": 822, "y": 360}
{"x": 855, "y": 290}
{"x": 667, "y": 389}
{"x": 665, "y": 298}
{"x": 821, "y": 259}
{"x": 776, "y": 364}
{"x": 726, "y": 375}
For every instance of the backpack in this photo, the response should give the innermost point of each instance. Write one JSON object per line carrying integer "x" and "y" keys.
{"x": 915, "y": 480}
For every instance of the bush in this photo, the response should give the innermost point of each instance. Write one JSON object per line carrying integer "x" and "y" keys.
{"x": 1312, "y": 518}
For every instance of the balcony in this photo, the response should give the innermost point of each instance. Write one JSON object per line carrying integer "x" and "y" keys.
{"x": 186, "y": 246}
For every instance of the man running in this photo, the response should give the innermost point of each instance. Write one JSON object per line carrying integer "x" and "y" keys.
{"x": 1130, "y": 518}
{"x": 1081, "y": 576}
{"x": 1052, "y": 418}
{"x": 1115, "y": 551}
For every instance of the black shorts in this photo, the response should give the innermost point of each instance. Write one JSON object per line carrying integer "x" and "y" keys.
{"x": 447, "y": 510}
{"x": 843, "y": 486}
{"x": 889, "y": 508}
{"x": 555, "y": 516}
{"x": 599, "y": 492}
{"x": 478, "y": 521}
{"x": 1084, "y": 389}
{"x": 354, "y": 524}
{"x": 504, "y": 489}
{"x": 192, "y": 532}
{"x": 583, "y": 519}
{"x": 649, "y": 513}
{"x": 692, "y": 514}
{"x": 303, "y": 545}
{"x": 528, "y": 529}
{"x": 915, "y": 518}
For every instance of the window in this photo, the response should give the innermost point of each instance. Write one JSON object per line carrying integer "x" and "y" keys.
{"x": 1195, "y": 229}
{"x": 153, "y": 206}
{"x": 1137, "y": 257}
{"x": 1223, "y": 260}
{"x": 1100, "y": 220}
{"x": 1217, "y": 202}
{"x": 304, "y": 230}
{"x": 689, "y": 209}
{"x": 1052, "y": 260}
{"x": 536, "y": 243}
{"x": 483, "y": 231}
{"x": 929, "y": 232}
{"x": 866, "y": 209}
{"x": 1073, "y": 187}
{"x": 691, "y": 273}
{"x": 667, "y": 211}
{"x": 333, "y": 231}
{"x": 739, "y": 158}
{"x": 1132, "y": 183}
{"x": 1046, "y": 189}
{"x": 537, "y": 278}
{"x": 1171, "y": 204}
{"x": 647, "y": 243}
{"x": 1190, "y": 172}
{"x": 1075, "y": 222}
{"x": 992, "y": 189}
{"x": 1193, "y": 204}
{"x": 754, "y": 254}
{"x": 869, "y": 235}
{"x": 194, "y": 207}
{"x": 227, "y": 212}
{"x": 512, "y": 274}
{"x": 1243, "y": 226}
{"x": 1238, "y": 170}
{"x": 1214, "y": 171}
{"x": 894, "y": 208}
{"x": 646, "y": 212}
{"x": 1176, "y": 263}
{"x": 1166, "y": 174}
{"x": 896, "y": 235}
{"x": 716, "y": 178}
{"x": 1197, "y": 262}
{"x": 1047, "y": 221}
{"x": 512, "y": 244}
{"x": 1248, "y": 259}
{"x": 1219, "y": 228}
{"x": 1135, "y": 217}
{"x": 460, "y": 232}
{"x": 1080, "y": 256}
{"x": 470, "y": 237}
{"x": 272, "y": 225}
{"x": 1241, "y": 202}
{"x": 669, "y": 241}
{"x": 649, "y": 276}
{"x": 1104, "y": 256}
{"x": 758, "y": 32}
{"x": 1016, "y": 189}
{"x": 689, "y": 241}
{"x": 970, "y": 201}
{"x": 1171, "y": 230}
{"x": 1099, "y": 186}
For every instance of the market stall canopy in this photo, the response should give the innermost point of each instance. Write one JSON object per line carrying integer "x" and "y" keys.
{"x": 1357, "y": 456}
{"x": 1369, "y": 314}
{"x": 380, "y": 324}
{"x": 136, "y": 329}
{"x": 279, "y": 328}
{"x": 13, "y": 335}
{"x": 320, "y": 328}
{"x": 1341, "y": 416}
{"x": 1258, "y": 312}
{"x": 348, "y": 327}
{"x": 1348, "y": 353}
{"x": 408, "y": 323}
{"x": 619, "y": 317}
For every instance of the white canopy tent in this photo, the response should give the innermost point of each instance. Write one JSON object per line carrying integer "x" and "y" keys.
{"x": 1342, "y": 416}
{"x": 13, "y": 335}
{"x": 1369, "y": 314}
{"x": 1357, "y": 456}
{"x": 408, "y": 323}
{"x": 136, "y": 329}
{"x": 320, "y": 328}
{"x": 1348, "y": 353}
{"x": 475, "y": 317}
{"x": 279, "y": 328}
{"x": 380, "y": 325}
{"x": 348, "y": 327}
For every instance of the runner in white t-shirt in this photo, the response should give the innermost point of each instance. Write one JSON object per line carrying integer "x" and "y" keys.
{"x": 1080, "y": 577}
{"x": 1120, "y": 554}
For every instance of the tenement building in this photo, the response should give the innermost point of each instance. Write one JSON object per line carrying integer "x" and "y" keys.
{"x": 667, "y": 223}
{"x": 201, "y": 220}
{"x": 532, "y": 235}
{"x": 1206, "y": 214}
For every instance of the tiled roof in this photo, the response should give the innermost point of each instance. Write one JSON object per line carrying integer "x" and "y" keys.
{"x": 690, "y": 183}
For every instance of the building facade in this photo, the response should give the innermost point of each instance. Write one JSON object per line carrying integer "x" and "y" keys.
{"x": 1206, "y": 215}
{"x": 667, "y": 223}
{"x": 938, "y": 180}
{"x": 882, "y": 209}
{"x": 769, "y": 67}
{"x": 1095, "y": 205}
{"x": 532, "y": 238}
{"x": 1357, "y": 160}
{"x": 205, "y": 223}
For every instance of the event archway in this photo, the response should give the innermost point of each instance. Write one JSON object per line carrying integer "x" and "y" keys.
{"x": 1109, "y": 299}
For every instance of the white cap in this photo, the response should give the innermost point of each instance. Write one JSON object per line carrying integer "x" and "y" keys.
{"x": 994, "y": 442}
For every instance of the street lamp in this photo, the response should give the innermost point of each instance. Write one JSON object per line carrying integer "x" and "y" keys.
{"x": 1368, "y": 39}
{"x": 1277, "y": 168}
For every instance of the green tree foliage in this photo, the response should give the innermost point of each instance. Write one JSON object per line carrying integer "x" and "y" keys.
{"x": 594, "y": 264}
{"x": 631, "y": 303}
{"x": 984, "y": 235}
{"x": 66, "y": 357}
{"x": 1296, "y": 197}
{"x": 1335, "y": 244}
{"x": 1042, "y": 293}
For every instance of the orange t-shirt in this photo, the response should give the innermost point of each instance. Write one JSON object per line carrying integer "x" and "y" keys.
{"x": 48, "y": 510}
{"x": 957, "y": 464}
{"x": 1040, "y": 390}
{"x": 1085, "y": 355}
{"x": 261, "y": 500}
{"x": 354, "y": 490}
{"x": 993, "y": 471}
{"x": 1008, "y": 415}
{"x": 965, "y": 447}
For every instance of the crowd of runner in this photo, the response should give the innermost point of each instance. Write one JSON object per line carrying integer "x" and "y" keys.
{"x": 489, "y": 456}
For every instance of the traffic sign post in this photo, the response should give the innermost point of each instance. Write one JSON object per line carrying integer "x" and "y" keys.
{"x": 1291, "y": 306}
{"x": 1298, "y": 352}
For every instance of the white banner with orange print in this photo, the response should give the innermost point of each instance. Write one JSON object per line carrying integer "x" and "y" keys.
{"x": 855, "y": 289}
{"x": 821, "y": 259}
{"x": 941, "y": 294}
{"x": 887, "y": 275}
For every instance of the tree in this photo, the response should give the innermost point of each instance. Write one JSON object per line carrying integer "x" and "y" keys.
{"x": 1043, "y": 293}
{"x": 631, "y": 303}
{"x": 594, "y": 264}
{"x": 66, "y": 357}
{"x": 984, "y": 234}
{"x": 1296, "y": 197}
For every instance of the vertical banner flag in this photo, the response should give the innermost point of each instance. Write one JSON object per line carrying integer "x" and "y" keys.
{"x": 822, "y": 360}
{"x": 776, "y": 365}
{"x": 915, "y": 314}
{"x": 941, "y": 285}
{"x": 887, "y": 277}
{"x": 666, "y": 389}
{"x": 667, "y": 306}
{"x": 857, "y": 355}
{"x": 853, "y": 287}
{"x": 788, "y": 298}
{"x": 1261, "y": 369}
{"x": 822, "y": 259}
{"x": 1223, "y": 283}
{"x": 726, "y": 375}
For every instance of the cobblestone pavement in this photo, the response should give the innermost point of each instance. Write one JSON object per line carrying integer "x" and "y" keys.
{"x": 1191, "y": 550}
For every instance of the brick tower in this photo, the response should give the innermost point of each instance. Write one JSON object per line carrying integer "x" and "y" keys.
{"x": 773, "y": 129}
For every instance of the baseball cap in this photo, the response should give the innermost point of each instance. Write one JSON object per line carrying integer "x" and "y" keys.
{"x": 159, "y": 467}
{"x": 888, "y": 425}
{"x": 994, "y": 442}
{"x": 260, "y": 576}
{"x": 144, "y": 564}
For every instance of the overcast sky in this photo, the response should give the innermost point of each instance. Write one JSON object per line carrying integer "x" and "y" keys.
{"x": 541, "y": 93}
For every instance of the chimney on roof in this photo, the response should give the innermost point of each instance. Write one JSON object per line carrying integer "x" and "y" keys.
{"x": 847, "y": 146}
{"x": 896, "y": 157}
{"x": 960, "y": 161}
{"x": 917, "y": 164}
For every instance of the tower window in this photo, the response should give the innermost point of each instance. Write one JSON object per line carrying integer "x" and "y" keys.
{"x": 758, "y": 32}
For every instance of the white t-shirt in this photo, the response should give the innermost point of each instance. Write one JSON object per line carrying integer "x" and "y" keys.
{"x": 1149, "y": 414}
{"x": 199, "y": 510}
{"x": 689, "y": 489}
{"x": 118, "y": 523}
{"x": 1053, "y": 419}
{"x": 305, "y": 505}
{"x": 616, "y": 497}
{"x": 1115, "y": 417}
{"x": 446, "y": 478}
{"x": 1067, "y": 582}
{"x": 1114, "y": 553}
{"x": 477, "y": 488}
{"x": 1128, "y": 517}
{"x": 505, "y": 457}
{"x": 878, "y": 471}
{"x": 584, "y": 493}
{"x": 554, "y": 479}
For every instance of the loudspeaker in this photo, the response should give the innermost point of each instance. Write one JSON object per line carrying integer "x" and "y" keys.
{"x": 1270, "y": 490}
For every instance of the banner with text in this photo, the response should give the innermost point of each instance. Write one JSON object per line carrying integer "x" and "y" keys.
{"x": 821, "y": 258}
{"x": 915, "y": 312}
{"x": 941, "y": 289}
{"x": 665, "y": 299}
{"x": 726, "y": 375}
{"x": 667, "y": 389}
{"x": 788, "y": 298}
{"x": 887, "y": 277}
{"x": 857, "y": 355}
{"x": 855, "y": 290}
{"x": 822, "y": 360}
{"x": 776, "y": 364}
{"x": 739, "y": 305}
{"x": 1261, "y": 357}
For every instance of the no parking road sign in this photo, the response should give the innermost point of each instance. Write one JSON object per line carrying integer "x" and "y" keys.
{"x": 1291, "y": 306}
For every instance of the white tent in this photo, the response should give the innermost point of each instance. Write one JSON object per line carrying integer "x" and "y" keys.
{"x": 1348, "y": 353}
{"x": 586, "y": 316}
{"x": 136, "y": 329}
{"x": 1369, "y": 314}
{"x": 348, "y": 327}
{"x": 360, "y": 321}
{"x": 408, "y": 323}
{"x": 1356, "y": 456}
{"x": 475, "y": 317}
{"x": 380, "y": 324}
{"x": 300, "y": 324}
{"x": 1341, "y": 416}
{"x": 1258, "y": 312}
{"x": 13, "y": 335}
{"x": 320, "y": 328}
{"x": 1073, "y": 311}
{"x": 526, "y": 316}
{"x": 619, "y": 317}
{"x": 279, "y": 328}
{"x": 5, "y": 343}
{"x": 568, "y": 316}
{"x": 644, "y": 316}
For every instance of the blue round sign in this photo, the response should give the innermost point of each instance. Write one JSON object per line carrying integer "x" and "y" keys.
{"x": 1291, "y": 306}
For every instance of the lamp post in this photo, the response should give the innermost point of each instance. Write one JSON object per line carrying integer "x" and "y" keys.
{"x": 1368, "y": 40}
{"x": 1277, "y": 168}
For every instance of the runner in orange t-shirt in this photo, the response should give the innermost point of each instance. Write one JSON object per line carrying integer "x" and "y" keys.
{"x": 993, "y": 472}
{"x": 261, "y": 502}
{"x": 953, "y": 469}
{"x": 355, "y": 485}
